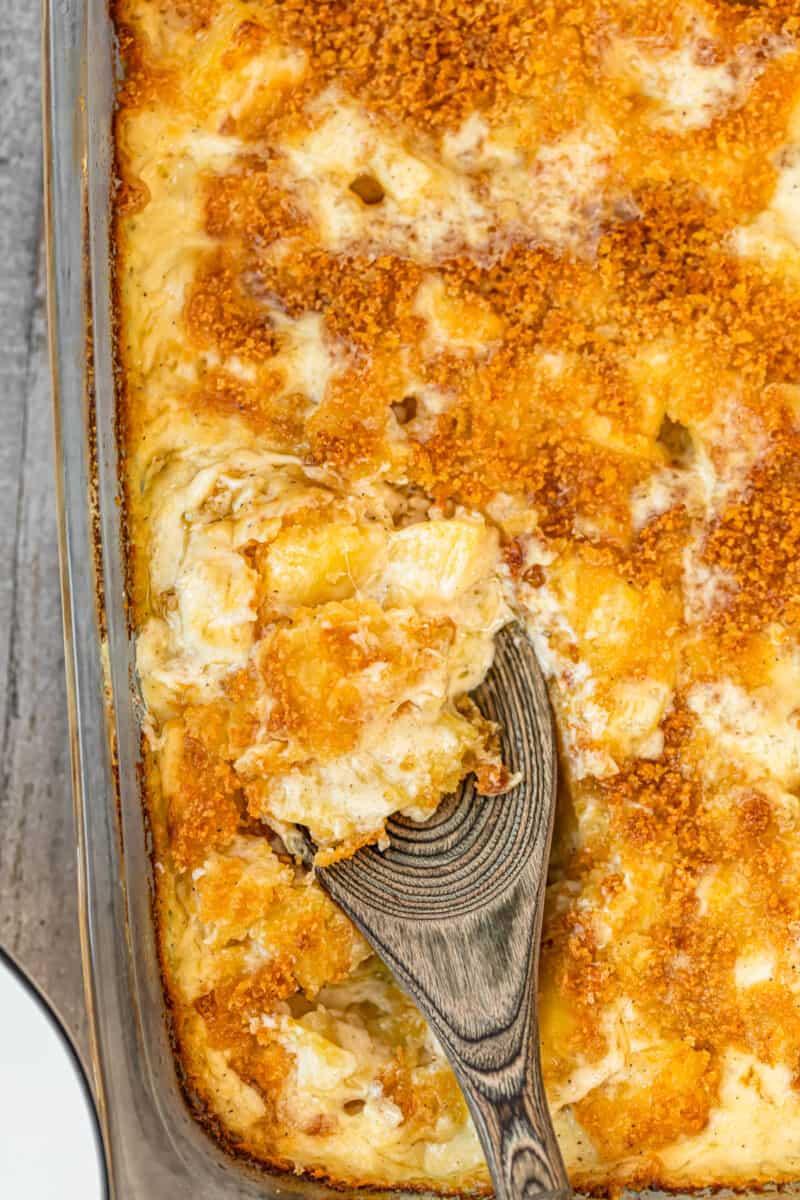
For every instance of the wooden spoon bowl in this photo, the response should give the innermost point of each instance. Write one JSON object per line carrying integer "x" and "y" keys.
{"x": 454, "y": 907}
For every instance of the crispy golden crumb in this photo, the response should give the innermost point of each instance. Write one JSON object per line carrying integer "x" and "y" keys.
{"x": 516, "y": 285}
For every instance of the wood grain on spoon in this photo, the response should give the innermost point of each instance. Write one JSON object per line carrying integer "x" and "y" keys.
{"x": 454, "y": 907}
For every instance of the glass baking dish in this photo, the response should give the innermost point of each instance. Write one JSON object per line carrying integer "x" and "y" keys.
{"x": 155, "y": 1146}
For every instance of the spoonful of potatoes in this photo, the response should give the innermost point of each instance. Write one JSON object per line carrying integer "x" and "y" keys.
{"x": 454, "y": 908}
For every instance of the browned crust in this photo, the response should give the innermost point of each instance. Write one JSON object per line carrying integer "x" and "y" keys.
{"x": 565, "y": 478}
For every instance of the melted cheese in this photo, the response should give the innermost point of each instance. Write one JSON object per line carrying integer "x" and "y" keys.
{"x": 398, "y": 768}
{"x": 691, "y": 84}
{"x": 757, "y": 1100}
{"x": 774, "y": 234}
{"x": 431, "y": 205}
{"x": 760, "y": 734}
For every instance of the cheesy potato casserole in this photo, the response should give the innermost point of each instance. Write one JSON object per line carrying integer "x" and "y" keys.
{"x": 431, "y": 314}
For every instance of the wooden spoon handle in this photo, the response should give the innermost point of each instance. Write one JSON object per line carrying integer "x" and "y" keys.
{"x": 453, "y": 906}
{"x": 517, "y": 1134}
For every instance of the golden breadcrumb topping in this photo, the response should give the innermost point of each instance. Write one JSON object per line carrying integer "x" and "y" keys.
{"x": 430, "y": 315}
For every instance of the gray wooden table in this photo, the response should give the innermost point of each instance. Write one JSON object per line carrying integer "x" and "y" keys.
{"x": 38, "y": 909}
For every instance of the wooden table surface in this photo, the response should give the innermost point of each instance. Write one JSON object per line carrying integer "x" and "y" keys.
{"x": 38, "y": 908}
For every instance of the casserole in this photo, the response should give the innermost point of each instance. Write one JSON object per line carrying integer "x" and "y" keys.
{"x": 683, "y": 469}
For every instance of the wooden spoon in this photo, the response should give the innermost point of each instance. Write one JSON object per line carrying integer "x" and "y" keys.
{"x": 454, "y": 908}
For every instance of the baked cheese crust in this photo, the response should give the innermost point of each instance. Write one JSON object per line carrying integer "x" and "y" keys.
{"x": 431, "y": 314}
